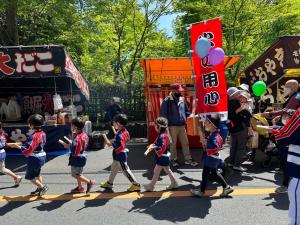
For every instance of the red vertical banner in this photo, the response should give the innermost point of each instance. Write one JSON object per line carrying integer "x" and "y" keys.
{"x": 210, "y": 80}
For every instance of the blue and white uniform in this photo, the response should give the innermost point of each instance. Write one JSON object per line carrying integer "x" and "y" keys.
{"x": 289, "y": 135}
{"x": 120, "y": 155}
{"x": 214, "y": 144}
{"x": 78, "y": 150}
{"x": 2, "y": 145}
{"x": 33, "y": 148}
{"x": 162, "y": 149}
{"x": 2, "y": 153}
{"x": 120, "y": 152}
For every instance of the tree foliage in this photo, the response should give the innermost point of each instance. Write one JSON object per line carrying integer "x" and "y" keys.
{"x": 106, "y": 39}
{"x": 249, "y": 26}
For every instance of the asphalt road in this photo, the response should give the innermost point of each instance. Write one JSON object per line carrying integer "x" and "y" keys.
{"x": 253, "y": 201}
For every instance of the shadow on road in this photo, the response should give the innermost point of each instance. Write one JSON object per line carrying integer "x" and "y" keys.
{"x": 98, "y": 202}
{"x": 173, "y": 209}
{"x": 280, "y": 201}
{"x": 13, "y": 203}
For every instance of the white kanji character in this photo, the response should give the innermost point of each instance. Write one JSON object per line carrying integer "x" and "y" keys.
{"x": 26, "y": 68}
{"x": 279, "y": 56}
{"x": 37, "y": 104}
{"x": 27, "y": 105}
{"x": 268, "y": 95}
{"x": 270, "y": 65}
{"x": 295, "y": 53}
{"x": 259, "y": 72}
{"x": 19, "y": 61}
{"x": 44, "y": 67}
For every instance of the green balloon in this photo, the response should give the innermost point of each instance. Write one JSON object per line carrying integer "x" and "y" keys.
{"x": 259, "y": 88}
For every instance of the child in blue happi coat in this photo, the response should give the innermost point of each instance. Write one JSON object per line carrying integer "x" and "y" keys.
{"x": 3, "y": 169}
{"x": 78, "y": 155}
{"x": 33, "y": 149}
{"x": 161, "y": 146}
{"x": 212, "y": 158}
{"x": 120, "y": 155}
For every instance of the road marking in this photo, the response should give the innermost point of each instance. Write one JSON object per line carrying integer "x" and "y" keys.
{"x": 133, "y": 195}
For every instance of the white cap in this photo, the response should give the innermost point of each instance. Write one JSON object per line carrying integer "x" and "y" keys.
{"x": 232, "y": 90}
{"x": 244, "y": 87}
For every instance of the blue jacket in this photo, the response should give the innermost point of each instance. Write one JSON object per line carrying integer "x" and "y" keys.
{"x": 33, "y": 148}
{"x": 289, "y": 135}
{"x": 214, "y": 144}
{"x": 162, "y": 150}
{"x": 175, "y": 111}
{"x": 120, "y": 152}
{"x": 78, "y": 147}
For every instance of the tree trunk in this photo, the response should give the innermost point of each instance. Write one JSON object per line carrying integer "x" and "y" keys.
{"x": 11, "y": 23}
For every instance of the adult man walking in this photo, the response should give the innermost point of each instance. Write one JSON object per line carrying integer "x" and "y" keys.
{"x": 174, "y": 108}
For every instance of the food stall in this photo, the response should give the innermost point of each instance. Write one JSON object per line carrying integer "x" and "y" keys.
{"x": 160, "y": 73}
{"x": 277, "y": 64}
{"x": 44, "y": 80}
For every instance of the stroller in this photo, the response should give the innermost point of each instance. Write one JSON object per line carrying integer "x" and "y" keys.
{"x": 261, "y": 140}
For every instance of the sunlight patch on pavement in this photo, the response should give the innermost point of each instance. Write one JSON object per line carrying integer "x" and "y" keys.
{"x": 133, "y": 195}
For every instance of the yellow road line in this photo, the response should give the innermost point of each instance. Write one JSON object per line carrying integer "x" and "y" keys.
{"x": 134, "y": 195}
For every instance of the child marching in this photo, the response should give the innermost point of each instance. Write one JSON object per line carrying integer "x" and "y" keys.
{"x": 212, "y": 159}
{"x": 120, "y": 155}
{"x": 33, "y": 149}
{"x": 3, "y": 169}
{"x": 161, "y": 146}
{"x": 78, "y": 155}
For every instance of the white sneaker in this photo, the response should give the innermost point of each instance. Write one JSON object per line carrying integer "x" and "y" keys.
{"x": 226, "y": 191}
{"x": 148, "y": 187}
{"x": 281, "y": 189}
{"x": 239, "y": 168}
{"x": 173, "y": 185}
{"x": 197, "y": 192}
{"x": 191, "y": 162}
{"x": 18, "y": 181}
{"x": 174, "y": 163}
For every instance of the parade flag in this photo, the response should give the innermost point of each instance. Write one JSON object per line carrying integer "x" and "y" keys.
{"x": 210, "y": 81}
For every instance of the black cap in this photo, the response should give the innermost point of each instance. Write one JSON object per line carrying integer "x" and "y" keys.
{"x": 162, "y": 122}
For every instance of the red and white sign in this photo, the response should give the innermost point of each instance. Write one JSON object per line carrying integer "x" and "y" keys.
{"x": 210, "y": 80}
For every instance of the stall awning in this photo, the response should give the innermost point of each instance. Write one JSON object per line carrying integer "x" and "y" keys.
{"x": 39, "y": 67}
{"x": 174, "y": 70}
{"x": 282, "y": 56}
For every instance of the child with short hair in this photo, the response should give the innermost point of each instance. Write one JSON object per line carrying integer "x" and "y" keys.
{"x": 161, "y": 146}
{"x": 212, "y": 159}
{"x": 78, "y": 154}
{"x": 3, "y": 169}
{"x": 33, "y": 149}
{"x": 120, "y": 155}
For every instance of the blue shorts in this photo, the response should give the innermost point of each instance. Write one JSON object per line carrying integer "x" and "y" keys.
{"x": 162, "y": 161}
{"x": 34, "y": 166}
{"x": 32, "y": 173}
